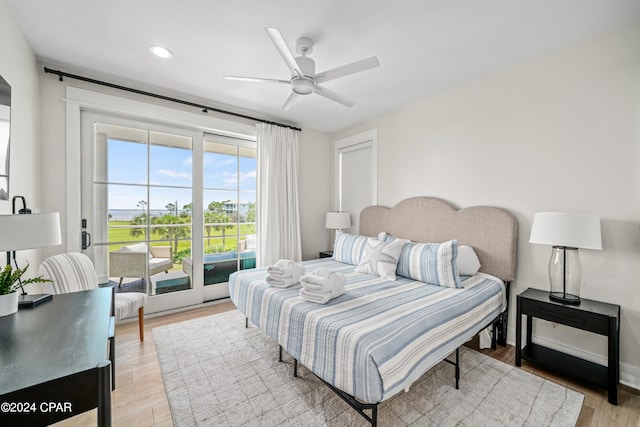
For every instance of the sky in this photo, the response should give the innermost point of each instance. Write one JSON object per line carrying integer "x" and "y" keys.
{"x": 170, "y": 176}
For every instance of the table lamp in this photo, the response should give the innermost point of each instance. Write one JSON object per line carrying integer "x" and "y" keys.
{"x": 337, "y": 221}
{"x": 566, "y": 232}
{"x": 32, "y": 231}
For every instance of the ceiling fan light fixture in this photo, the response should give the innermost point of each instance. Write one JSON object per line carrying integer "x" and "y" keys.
{"x": 302, "y": 86}
{"x": 161, "y": 52}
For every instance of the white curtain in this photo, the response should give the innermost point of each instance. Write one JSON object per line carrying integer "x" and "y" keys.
{"x": 277, "y": 213}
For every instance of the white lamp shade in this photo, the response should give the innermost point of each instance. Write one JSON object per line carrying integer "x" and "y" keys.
{"x": 29, "y": 231}
{"x": 566, "y": 229}
{"x": 338, "y": 220}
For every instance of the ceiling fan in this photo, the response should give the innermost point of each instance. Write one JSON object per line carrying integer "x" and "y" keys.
{"x": 304, "y": 79}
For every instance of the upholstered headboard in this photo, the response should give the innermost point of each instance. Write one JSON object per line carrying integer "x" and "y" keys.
{"x": 491, "y": 231}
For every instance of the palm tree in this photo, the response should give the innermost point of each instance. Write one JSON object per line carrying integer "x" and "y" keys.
{"x": 141, "y": 222}
{"x": 171, "y": 232}
{"x": 220, "y": 218}
{"x": 209, "y": 218}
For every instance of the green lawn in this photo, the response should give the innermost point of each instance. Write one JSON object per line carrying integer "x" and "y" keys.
{"x": 118, "y": 237}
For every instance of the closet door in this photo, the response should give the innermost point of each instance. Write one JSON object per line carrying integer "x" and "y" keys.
{"x": 356, "y": 175}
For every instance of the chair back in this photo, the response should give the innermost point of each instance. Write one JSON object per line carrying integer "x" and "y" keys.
{"x": 70, "y": 272}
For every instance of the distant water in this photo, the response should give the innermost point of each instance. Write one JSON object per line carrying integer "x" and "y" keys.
{"x": 129, "y": 214}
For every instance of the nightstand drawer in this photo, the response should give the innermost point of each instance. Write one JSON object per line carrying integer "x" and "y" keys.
{"x": 570, "y": 316}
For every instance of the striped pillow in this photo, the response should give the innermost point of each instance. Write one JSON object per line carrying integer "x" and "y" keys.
{"x": 349, "y": 248}
{"x": 433, "y": 263}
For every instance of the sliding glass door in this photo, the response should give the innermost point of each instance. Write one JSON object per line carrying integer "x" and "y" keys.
{"x": 170, "y": 211}
{"x": 229, "y": 201}
{"x": 138, "y": 187}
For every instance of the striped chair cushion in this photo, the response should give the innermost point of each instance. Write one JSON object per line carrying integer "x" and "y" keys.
{"x": 73, "y": 272}
{"x": 433, "y": 263}
{"x": 128, "y": 303}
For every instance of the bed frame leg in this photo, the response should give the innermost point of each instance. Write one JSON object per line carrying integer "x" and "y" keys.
{"x": 457, "y": 368}
{"x": 295, "y": 368}
{"x": 456, "y": 365}
{"x": 279, "y": 353}
{"x": 246, "y": 322}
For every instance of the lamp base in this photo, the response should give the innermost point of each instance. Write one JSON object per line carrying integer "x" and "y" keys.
{"x": 564, "y": 298}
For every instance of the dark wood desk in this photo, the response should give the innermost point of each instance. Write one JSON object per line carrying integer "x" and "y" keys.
{"x": 54, "y": 361}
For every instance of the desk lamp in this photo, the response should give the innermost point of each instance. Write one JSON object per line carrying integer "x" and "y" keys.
{"x": 28, "y": 231}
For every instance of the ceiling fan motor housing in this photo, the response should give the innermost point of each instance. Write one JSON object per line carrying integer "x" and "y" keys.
{"x": 307, "y": 66}
{"x": 304, "y": 85}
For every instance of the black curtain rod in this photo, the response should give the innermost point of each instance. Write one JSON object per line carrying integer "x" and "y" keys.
{"x": 204, "y": 108}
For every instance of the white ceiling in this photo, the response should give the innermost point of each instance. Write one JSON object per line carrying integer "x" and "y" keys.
{"x": 425, "y": 46}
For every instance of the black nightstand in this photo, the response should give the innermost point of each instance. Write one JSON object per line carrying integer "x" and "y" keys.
{"x": 593, "y": 316}
{"x": 325, "y": 254}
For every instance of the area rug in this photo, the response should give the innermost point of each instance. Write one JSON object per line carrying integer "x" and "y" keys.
{"x": 216, "y": 372}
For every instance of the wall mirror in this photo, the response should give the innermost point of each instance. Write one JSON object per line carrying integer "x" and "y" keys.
{"x": 5, "y": 133}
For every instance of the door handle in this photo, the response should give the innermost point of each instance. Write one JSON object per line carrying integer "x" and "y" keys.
{"x": 86, "y": 239}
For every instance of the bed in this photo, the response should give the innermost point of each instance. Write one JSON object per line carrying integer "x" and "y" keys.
{"x": 381, "y": 335}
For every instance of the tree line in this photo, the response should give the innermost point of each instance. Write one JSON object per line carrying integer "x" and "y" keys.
{"x": 216, "y": 219}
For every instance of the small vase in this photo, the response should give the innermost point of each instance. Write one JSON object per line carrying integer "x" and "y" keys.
{"x": 8, "y": 304}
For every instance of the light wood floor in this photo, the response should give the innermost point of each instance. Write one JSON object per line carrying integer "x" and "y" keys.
{"x": 139, "y": 398}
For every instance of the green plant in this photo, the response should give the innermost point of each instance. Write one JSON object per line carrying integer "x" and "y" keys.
{"x": 10, "y": 279}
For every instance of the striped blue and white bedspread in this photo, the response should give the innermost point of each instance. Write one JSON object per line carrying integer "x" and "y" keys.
{"x": 377, "y": 338}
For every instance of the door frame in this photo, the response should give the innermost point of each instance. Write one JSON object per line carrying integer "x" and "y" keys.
{"x": 366, "y": 139}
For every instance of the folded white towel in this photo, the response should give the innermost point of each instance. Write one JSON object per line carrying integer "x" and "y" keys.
{"x": 320, "y": 297}
{"x": 284, "y": 273}
{"x": 323, "y": 280}
{"x": 286, "y": 268}
{"x": 281, "y": 282}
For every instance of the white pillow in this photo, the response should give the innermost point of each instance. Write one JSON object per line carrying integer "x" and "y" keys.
{"x": 137, "y": 248}
{"x": 468, "y": 262}
{"x": 380, "y": 257}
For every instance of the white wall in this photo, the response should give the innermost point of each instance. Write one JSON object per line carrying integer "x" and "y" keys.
{"x": 17, "y": 67}
{"x": 559, "y": 133}
{"x": 316, "y": 190}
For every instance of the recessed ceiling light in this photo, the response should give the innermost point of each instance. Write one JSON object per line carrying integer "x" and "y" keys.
{"x": 160, "y": 51}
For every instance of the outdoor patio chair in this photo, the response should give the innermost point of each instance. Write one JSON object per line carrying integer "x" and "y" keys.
{"x": 132, "y": 261}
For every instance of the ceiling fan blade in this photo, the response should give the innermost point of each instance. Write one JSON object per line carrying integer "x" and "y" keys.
{"x": 329, "y": 94}
{"x": 256, "y": 79}
{"x": 284, "y": 50}
{"x": 289, "y": 101}
{"x": 345, "y": 70}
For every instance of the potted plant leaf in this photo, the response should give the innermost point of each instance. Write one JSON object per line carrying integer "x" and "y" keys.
{"x": 10, "y": 282}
